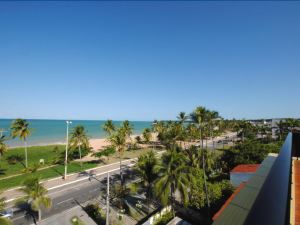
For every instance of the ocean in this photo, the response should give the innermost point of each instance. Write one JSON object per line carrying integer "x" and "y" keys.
{"x": 46, "y": 132}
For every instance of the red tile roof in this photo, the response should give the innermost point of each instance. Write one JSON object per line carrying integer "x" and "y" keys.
{"x": 245, "y": 168}
{"x": 242, "y": 185}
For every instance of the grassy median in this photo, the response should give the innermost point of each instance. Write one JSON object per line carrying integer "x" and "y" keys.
{"x": 49, "y": 170}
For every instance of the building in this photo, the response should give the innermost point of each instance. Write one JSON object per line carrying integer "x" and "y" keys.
{"x": 271, "y": 195}
{"x": 242, "y": 173}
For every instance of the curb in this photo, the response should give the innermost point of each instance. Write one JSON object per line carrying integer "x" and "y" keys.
{"x": 71, "y": 174}
{"x": 75, "y": 181}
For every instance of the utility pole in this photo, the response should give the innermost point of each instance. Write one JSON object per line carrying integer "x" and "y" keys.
{"x": 107, "y": 200}
{"x": 66, "y": 156}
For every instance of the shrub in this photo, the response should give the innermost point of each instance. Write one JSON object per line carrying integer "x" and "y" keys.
{"x": 13, "y": 159}
{"x": 108, "y": 151}
{"x": 95, "y": 212}
{"x": 164, "y": 219}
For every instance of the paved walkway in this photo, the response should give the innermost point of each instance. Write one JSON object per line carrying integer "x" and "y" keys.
{"x": 54, "y": 183}
{"x": 65, "y": 217}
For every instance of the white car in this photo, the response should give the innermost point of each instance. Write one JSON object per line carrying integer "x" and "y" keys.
{"x": 8, "y": 213}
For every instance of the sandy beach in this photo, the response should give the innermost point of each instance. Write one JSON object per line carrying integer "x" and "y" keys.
{"x": 99, "y": 143}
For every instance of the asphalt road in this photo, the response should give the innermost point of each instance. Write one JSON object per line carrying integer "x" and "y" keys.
{"x": 71, "y": 195}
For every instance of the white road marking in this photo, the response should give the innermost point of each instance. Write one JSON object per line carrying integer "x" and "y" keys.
{"x": 18, "y": 217}
{"x": 64, "y": 201}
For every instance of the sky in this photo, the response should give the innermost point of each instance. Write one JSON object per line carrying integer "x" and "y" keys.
{"x": 149, "y": 60}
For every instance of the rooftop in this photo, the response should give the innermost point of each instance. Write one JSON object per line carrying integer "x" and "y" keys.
{"x": 245, "y": 168}
{"x": 238, "y": 207}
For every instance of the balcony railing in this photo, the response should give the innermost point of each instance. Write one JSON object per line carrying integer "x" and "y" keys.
{"x": 272, "y": 205}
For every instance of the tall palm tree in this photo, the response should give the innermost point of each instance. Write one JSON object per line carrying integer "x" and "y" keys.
{"x": 118, "y": 140}
{"x": 4, "y": 221}
{"x": 3, "y": 146}
{"x": 173, "y": 178}
{"x": 212, "y": 116}
{"x": 79, "y": 138}
{"x": 182, "y": 117}
{"x": 109, "y": 127}
{"x": 147, "y": 168}
{"x": 128, "y": 128}
{"x": 20, "y": 128}
{"x": 199, "y": 117}
{"x": 36, "y": 195}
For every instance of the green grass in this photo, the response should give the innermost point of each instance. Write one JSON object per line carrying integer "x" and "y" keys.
{"x": 49, "y": 155}
{"x": 56, "y": 171}
{"x": 34, "y": 155}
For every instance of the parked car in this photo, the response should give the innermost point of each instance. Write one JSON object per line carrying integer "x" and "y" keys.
{"x": 8, "y": 213}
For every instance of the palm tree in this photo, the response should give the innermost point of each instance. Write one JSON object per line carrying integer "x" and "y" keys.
{"x": 36, "y": 195}
{"x": 79, "y": 138}
{"x": 182, "y": 117}
{"x": 109, "y": 127}
{"x": 118, "y": 141}
{"x": 147, "y": 135}
{"x": 199, "y": 117}
{"x": 3, "y": 146}
{"x": 212, "y": 116}
{"x": 147, "y": 168}
{"x": 128, "y": 128}
{"x": 20, "y": 128}
{"x": 172, "y": 177}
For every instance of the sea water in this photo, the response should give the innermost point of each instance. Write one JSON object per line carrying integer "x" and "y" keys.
{"x": 44, "y": 132}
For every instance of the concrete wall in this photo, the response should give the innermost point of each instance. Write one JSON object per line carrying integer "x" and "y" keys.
{"x": 237, "y": 178}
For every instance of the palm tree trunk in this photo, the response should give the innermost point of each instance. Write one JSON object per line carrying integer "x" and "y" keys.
{"x": 80, "y": 156}
{"x": 148, "y": 199}
{"x": 172, "y": 199}
{"x": 26, "y": 163}
{"x": 204, "y": 176}
{"x": 121, "y": 174}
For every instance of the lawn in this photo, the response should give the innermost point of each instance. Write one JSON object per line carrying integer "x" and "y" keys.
{"x": 49, "y": 155}
{"x": 55, "y": 171}
{"x": 35, "y": 153}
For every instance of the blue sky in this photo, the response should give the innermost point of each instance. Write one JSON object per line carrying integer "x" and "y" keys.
{"x": 149, "y": 60}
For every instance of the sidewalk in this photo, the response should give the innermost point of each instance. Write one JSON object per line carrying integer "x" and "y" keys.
{"x": 58, "y": 182}
{"x": 65, "y": 217}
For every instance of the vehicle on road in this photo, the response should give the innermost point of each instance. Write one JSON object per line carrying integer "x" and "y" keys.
{"x": 8, "y": 213}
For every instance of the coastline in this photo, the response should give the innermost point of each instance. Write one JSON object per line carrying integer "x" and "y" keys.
{"x": 95, "y": 143}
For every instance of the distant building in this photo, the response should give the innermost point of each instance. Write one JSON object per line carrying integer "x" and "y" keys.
{"x": 242, "y": 173}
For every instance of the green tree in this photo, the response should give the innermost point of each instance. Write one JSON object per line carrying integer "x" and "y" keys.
{"x": 118, "y": 141}
{"x": 20, "y": 128}
{"x": 36, "y": 195}
{"x": 147, "y": 168}
{"x": 182, "y": 117}
{"x": 79, "y": 139}
{"x": 127, "y": 128}
{"x": 108, "y": 151}
{"x": 147, "y": 135}
{"x": 172, "y": 177}
{"x": 199, "y": 117}
{"x": 212, "y": 117}
{"x": 109, "y": 127}
{"x": 3, "y": 146}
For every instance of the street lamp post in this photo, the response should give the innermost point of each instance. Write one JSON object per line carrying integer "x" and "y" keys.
{"x": 107, "y": 200}
{"x": 66, "y": 156}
